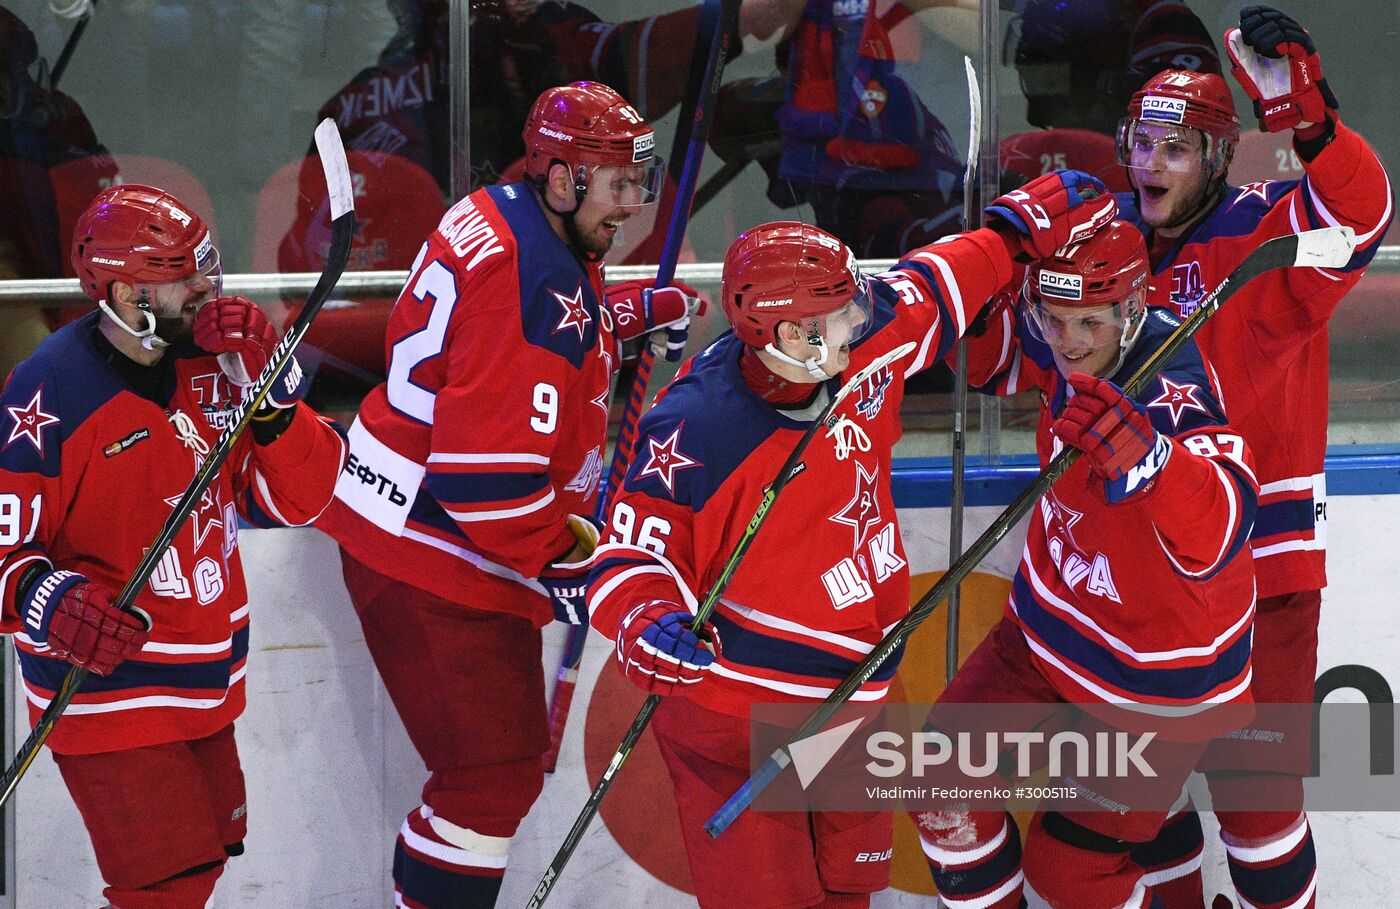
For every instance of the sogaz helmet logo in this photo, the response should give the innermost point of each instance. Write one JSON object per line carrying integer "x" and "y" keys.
{"x": 1157, "y": 107}
{"x": 202, "y": 251}
{"x": 1061, "y": 286}
{"x": 642, "y": 146}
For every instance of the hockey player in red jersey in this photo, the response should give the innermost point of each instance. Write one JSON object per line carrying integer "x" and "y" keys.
{"x": 1079, "y": 64}
{"x": 101, "y": 431}
{"x": 1134, "y": 589}
{"x": 1270, "y": 346}
{"x": 803, "y": 315}
{"x": 458, "y": 513}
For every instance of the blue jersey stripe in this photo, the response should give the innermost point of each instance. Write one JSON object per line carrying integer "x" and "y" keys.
{"x": 1288, "y": 516}
{"x": 477, "y": 488}
{"x": 48, "y": 673}
{"x": 747, "y": 646}
{"x": 1189, "y": 683}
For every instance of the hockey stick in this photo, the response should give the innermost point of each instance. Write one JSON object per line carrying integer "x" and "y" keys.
{"x": 1328, "y": 247}
{"x": 342, "y": 203}
{"x": 697, "y": 117}
{"x": 955, "y": 505}
{"x": 717, "y": 182}
{"x": 72, "y": 43}
{"x": 702, "y": 612}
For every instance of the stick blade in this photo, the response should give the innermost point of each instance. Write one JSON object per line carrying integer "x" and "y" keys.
{"x": 1326, "y": 247}
{"x": 336, "y": 168}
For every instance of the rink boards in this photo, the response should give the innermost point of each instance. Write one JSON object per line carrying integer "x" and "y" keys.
{"x": 331, "y": 774}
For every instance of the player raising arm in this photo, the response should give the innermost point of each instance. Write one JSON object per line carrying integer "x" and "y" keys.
{"x": 1270, "y": 346}
{"x": 819, "y": 587}
{"x": 1132, "y": 590}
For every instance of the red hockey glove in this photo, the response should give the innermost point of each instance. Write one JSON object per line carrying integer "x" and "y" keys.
{"x": 1052, "y": 211}
{"x": 639, "y": 310}
{"x": 1116, "y": 435}
{"x": 659, "y": 653}
{"x": 567, "y": 582}
{"x": 240, "y": 333}
{"x": 76, "y": 618}
{"x": 1275, "y": 61}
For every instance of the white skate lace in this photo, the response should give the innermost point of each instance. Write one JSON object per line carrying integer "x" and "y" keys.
{"x": 848, "y": 437}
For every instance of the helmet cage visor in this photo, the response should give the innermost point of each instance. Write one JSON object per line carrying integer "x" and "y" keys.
{"x": 210, "y": 272}
{"x": 848, "y": 324}
{"x": 1148, "y": 145}
{"x": 630, "y": 186}
{"x": 830, "y": 331}
{"x": 1111, "y": 325}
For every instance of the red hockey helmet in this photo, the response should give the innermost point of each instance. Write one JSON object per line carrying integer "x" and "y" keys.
{"x": 1185, "y": 100}
{"x": 587, "y": 125}
{"x": 1105, "y": 278}
{"x": 786, "y": 271}
{"x": 140, "y": 235}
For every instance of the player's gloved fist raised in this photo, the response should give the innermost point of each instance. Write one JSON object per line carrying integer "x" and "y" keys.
{"x": 1275, "y": 61}
{"x": 1116, "y": 435}
{"x": 240, "y": 333}
{"x": 659, "y": 653}
{"x": 566, "y": 580}
{"x": 638, "y": 309}
{"x": 1052, "y": 211}
{"x": 78, "y": 621}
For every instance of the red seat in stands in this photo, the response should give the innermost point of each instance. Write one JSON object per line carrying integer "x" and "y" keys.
{"x": 76, "y": 182}
{"x": 397, "y": 204}
{"x": 1040, "y": 151}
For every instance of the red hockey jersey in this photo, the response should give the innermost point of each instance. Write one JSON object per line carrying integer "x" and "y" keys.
{"x": 1269, "y": 343}
{"x": 826, "y": 576}
{"x": 490, "y": 428}
{"x": 1143, "y": 602}
{"x": 89, "y": 470}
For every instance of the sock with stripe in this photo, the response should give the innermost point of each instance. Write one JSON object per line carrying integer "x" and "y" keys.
{"x": 439, "y": 865}
{"x": 975, "y": 858}
{"x": 1271, "y": 858}
{"x": 1171, "y": 863}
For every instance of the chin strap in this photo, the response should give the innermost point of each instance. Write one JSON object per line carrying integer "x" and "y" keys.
{"x": 813, "y": 365}
{"x": 1125, "y": 344}
{"x": 148, "y": 338}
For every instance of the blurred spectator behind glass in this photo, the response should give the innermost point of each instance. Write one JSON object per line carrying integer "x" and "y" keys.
{"x": 879, "y": 169}
{"x": 1079, "y": 63}
{"x": 40, "y": 127}
{"x": 394, "y": 119}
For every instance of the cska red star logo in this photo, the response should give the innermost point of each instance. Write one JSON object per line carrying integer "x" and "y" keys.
{"x": 1054, "y": 512}
{"x": 862, "y": 513}
{"x": 664, "y": 459}
{"x": 1259, "y": 188}
{"x": 1178, "y": 399}
{"x": 204, "y": 517}
{"x": 30, "y": 421}
{"x": 575, "y": 313}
